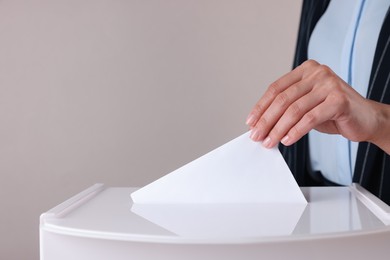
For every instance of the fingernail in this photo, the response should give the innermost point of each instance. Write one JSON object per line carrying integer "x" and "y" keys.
{"x": 250, "y": 120}
{"x": 254, "y": 134}
{"x": 285, "y": 140}
{"x": 267, "y": 142}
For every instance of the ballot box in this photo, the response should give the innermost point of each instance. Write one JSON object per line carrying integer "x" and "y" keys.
{"x": 102, "y": 223}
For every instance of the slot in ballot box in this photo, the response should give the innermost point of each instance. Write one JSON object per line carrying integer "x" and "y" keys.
{"x": 102, "y": 223}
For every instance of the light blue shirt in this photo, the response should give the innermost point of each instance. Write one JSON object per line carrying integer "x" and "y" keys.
{"x": 344, "y": 39}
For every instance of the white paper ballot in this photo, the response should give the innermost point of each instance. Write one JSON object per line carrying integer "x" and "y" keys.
{"x": 240, "y": 171}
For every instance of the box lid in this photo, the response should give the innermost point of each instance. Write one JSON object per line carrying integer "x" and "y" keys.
{"x": 108, "y": 213}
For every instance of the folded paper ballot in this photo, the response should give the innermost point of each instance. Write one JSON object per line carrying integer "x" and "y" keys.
{"x": 240, "y": 171}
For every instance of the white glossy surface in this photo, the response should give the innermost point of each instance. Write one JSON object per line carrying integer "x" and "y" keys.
{"x": 107, "y": 214}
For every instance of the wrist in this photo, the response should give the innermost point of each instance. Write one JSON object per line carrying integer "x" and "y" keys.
{"x": 381, "y": 136}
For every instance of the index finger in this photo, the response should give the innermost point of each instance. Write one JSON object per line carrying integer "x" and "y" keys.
{"x": 271, "y": 93}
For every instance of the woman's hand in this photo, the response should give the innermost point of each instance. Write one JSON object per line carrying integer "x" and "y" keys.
{"x": 312, "y": 96}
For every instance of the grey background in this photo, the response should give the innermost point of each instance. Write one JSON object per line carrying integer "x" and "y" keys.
{"x": 123, "y": 92}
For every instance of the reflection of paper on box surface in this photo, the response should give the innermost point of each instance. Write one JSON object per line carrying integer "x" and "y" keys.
{"x": 240, "y": 171}
{"x": 223, "y": 221}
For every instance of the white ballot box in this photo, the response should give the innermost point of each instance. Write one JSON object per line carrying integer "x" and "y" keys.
{"x": 102, "y": 223}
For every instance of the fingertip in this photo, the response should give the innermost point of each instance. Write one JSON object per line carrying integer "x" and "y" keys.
{"x": 267, "y": 142}
{"x": 255, "y": 134}
{"x": 286, "y": 140}
{"x": 250, "y": 120}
